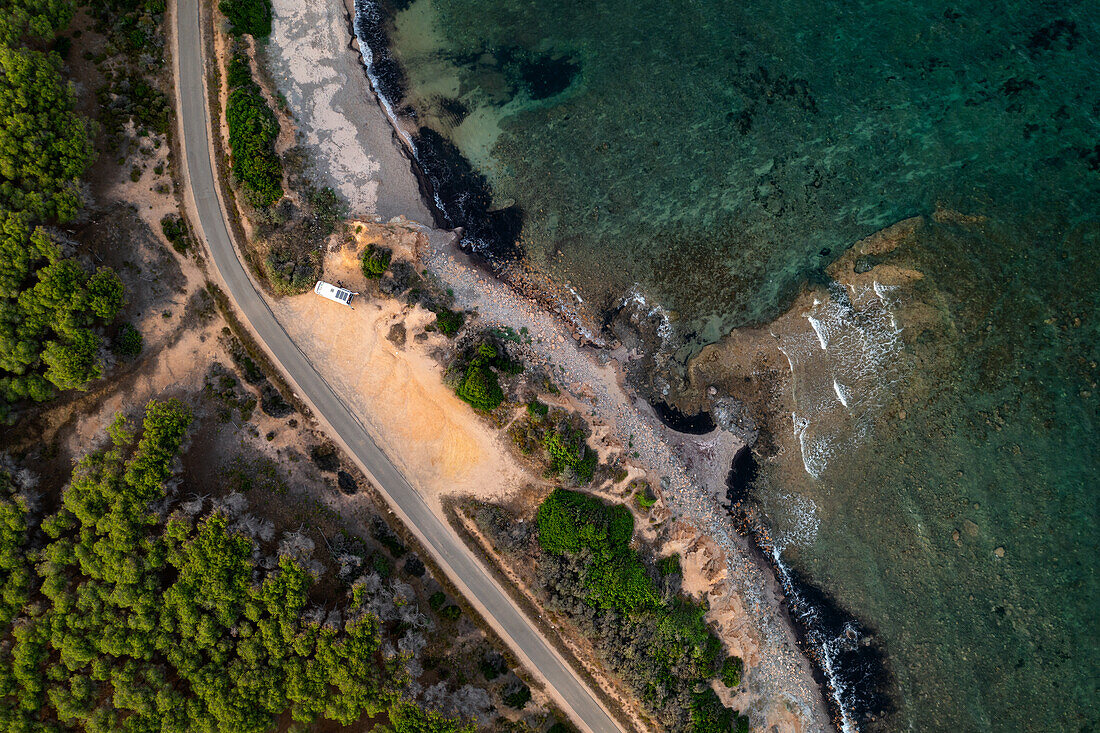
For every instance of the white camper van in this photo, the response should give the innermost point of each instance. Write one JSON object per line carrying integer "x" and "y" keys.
{"x": 333, "y": 293}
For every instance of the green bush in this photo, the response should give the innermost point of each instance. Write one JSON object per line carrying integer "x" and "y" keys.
{"x": 669, "y": 565}
{"x": 436, "y": 600}
{"x": 731, "y": 671}
{"x": 408, "y": 718}
{"x": 566, "y": 449}
{"x": 175, "y": 231}
{"x": 375, "y": 261}
{"x": 493, "y": 665}
{"x": 479, "y": 386}
{"x": 586, "y": 467}
{"x": 251, "y": 17}
{"x": 129, "y": 341}
{"x": 382, "y": 565}
{"x": 709, "y": 715}
{"x": 447, "y": 321}
{"x": 450, "y": 613}
{"x": 291, "y": 273}
{"x": 570, "y": 521}
{"x": 252, "y": 133}
{"x": 537, "y": 409}
{"x": 238, "y": 73}
{"x": 325, "y": 211}
{"x": 645, "y": 497}
{"x": 517, "y": 695}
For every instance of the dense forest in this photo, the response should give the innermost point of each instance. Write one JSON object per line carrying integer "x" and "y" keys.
{"x": 129, "y": 609}
{"x": 52, "y": 307}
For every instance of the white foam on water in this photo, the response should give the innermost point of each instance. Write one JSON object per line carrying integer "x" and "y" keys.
{"x": 841, "y": 393}
{"x": 820, "y": 331}
{"x": 843, "y": 368}
{"x": 827, "y": 648}
{"x": 369, "y": 7}
{"x": 881, "y": 290}
{"x": 801, "y": 521}
{"x": 635, "y": 299}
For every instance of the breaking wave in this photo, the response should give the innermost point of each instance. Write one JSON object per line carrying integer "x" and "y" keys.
{"x": 843, "y": 369}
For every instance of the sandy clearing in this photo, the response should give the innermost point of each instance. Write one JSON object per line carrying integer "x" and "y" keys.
{"x": 437, "y": 440}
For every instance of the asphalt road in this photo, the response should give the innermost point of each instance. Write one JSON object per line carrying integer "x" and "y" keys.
{"x": 464, "y": 569}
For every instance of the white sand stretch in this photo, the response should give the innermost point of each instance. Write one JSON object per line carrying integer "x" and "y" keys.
{"x": 352, "y": 145}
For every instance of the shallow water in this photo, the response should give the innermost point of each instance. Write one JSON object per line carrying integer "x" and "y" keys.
{"x": 953, "y": 498}
{"x": 716, "y": 155}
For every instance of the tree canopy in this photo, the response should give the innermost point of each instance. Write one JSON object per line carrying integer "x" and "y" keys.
{"x": 480, "y": 386}
{"x": 251, "y": 17}
{"x": 33, "y": 19}
{"x": 253, "y": 129}
{"x": 45, "y": 144}
{"x": 51, "y": 307}
{"x": 119, "y": 613}
{"x": 657, "y": 639}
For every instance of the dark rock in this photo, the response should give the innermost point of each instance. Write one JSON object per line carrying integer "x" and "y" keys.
{"x": 700, "y": 423}
{"x": 732, "y": 416}
{"x": 741, "y": 476}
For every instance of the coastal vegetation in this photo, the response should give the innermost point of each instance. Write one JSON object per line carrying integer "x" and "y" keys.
{"x": 291, "y": 217}
{"x": 248, "y": 17}
{"x": 253, "y": 129}
{"x": 479, "y": 385}
{"x": 559, "y": 439}
{"x": 583, "y": 566}
{"x": 572, "y": 522}
{"x": 375, "y": 261}
{"x": 447, "y": 321}
{"x": 291, "y": 272}
{"x": 294, "y": 259}
{"x": 731, "y": 671}
{"x": 644, "y": 496}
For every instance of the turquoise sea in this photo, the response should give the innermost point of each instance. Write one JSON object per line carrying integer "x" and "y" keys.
{"x": 714, "y": 157}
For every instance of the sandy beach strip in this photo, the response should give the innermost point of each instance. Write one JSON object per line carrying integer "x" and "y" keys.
{"x": 353, "y": 148}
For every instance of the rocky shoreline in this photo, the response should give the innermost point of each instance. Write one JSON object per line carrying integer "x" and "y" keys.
{"x": 691, "y": 469}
